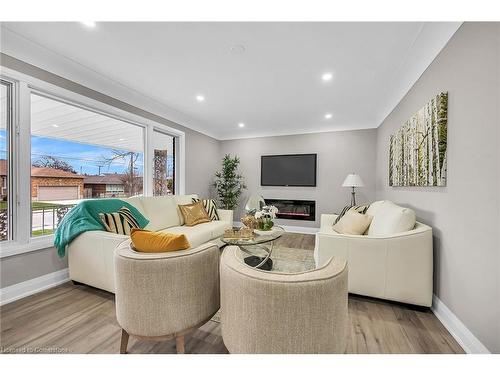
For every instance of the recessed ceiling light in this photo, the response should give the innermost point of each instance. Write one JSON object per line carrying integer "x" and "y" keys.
{"x": 121, "y": 139}
{"x": 241, "y": 125}
{"x": 237, "y": 49}
{"x": 328, "y": 116}
{"x": 55, "y": 126}
{"x": 327, "y": 76}
{"x": 200, "y": 98}
{"x": 89, "y": 23}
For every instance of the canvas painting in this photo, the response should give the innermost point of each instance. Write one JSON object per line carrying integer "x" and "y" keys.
{"x": 417, "y": 150}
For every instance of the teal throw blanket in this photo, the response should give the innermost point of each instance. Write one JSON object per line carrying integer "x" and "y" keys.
{"x": 85, "y": 216}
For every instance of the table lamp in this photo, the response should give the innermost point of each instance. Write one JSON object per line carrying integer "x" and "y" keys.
{"x": 353, "y": 181}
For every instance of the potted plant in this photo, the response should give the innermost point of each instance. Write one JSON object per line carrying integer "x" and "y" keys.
{"x": 228, "y": 183}
{"x": 265, "y": 217}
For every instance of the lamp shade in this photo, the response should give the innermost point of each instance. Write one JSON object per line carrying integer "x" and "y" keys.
{"x": 353, "y": 180}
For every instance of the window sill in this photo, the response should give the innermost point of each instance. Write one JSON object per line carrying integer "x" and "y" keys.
{"x": 40, "y": 243}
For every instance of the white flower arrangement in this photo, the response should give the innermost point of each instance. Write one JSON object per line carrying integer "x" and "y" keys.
{"x": 267, "y": 212}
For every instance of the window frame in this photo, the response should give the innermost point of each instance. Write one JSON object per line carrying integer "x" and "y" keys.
{"x": 11, "y": 130}
{"x": 23, "y": 86}
{"x": 174, "y": 150}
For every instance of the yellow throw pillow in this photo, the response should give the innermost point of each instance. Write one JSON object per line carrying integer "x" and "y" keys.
{"x": 155, "y": 242}
{"x": 353, "y": 223}
{"x": 194, "y": 214}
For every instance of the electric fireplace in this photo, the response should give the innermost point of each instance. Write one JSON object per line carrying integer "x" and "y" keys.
{"x": 294, "y": 209}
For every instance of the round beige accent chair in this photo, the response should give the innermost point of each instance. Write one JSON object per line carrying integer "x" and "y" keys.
{"x": 162, "y": 296}
{"x": 270, "y": 312}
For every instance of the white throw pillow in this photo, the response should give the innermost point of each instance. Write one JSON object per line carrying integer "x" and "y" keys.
{"x": 390, "y": 218}
{"x": 353, "y": 223}
{"x": 373, "y": 208}
{"x": 161, "y": 212}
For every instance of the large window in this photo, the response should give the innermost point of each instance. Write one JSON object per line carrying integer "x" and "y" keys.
{"x": 58, "y": 148}
{"x": 5, "y": 125}
{"x": 78, "y": 154}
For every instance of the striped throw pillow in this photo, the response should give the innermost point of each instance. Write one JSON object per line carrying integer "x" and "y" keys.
{"x": 210, "y": 207}
{"x": 360, "y": 209}
{"x": 119, "y": 222}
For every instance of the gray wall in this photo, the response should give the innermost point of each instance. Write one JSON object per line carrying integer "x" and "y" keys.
{"x": 200, "y": 167}
{"x": 465, "y": 214}
{"x": 339, "y": 153}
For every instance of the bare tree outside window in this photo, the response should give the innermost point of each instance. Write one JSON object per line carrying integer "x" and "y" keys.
{"x": 47, "y": 161}
{"x": 160, "y": 182}
{"x": 163, "y": 164}
{"x": 78, "y": 154}
{"x": 131, "y": 179}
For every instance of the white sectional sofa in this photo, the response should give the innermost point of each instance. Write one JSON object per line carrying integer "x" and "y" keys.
{"x": 90, "y": 255}
{"x": 390, "y": 261}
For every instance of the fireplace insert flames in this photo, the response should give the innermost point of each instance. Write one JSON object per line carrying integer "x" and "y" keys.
{"x": 294, "y": 209}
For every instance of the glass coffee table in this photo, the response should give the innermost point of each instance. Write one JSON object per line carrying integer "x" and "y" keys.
{"x": 259, "y": 248}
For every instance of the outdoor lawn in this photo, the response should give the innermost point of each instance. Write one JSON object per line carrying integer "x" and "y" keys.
{"x": 39, "y": 232}
{"x": 35, "y": 206}
{"x": 44, "y": 215}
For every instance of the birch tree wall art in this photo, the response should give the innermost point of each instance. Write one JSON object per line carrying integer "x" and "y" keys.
{"x": 417, "y": 150}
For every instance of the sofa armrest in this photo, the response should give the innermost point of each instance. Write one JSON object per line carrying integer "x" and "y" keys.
{"x": 418, "y": 229}
{"x": 397, "y": 267}
{"x": 225, "y": 215}
{"x": 327, "y": 220}
{"x": 90, "y": 258}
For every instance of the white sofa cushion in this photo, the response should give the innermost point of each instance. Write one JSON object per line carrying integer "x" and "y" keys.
{"x": 200, "y": 233}
{"x": 389, "y": 218}
{"x": 137, "y": 203}
{"x": 372, "y": 210}
{"x": 161, "y": 212}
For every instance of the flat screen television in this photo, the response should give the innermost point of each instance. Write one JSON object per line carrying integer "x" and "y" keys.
{"x": 288, "y": 170}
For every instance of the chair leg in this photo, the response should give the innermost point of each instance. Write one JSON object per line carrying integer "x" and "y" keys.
{"x": 179, "y": 341}
{"x": 124, "y": 342}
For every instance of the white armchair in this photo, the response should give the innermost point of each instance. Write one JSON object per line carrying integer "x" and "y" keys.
{"x": 397, "y": 267}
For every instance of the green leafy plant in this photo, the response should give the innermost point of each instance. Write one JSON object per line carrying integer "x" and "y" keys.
{"x": 229, "y": 183}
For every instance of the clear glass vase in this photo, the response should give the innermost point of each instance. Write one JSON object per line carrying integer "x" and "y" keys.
{"x": 266, "y": 223}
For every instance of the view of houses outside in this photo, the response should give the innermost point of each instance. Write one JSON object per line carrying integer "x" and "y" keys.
{"x": 63, "y": 173}
{"x": 60, "y": 180}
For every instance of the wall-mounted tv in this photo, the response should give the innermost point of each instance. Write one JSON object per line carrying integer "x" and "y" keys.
{"x": 288, "y": 170}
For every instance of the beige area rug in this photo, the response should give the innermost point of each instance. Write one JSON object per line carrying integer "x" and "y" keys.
{"x": 286, "y": 260}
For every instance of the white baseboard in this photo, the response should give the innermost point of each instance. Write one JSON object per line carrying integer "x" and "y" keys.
{"x": 289, "y": 228}
{"x": 302, "y": 230}
{"x": 465, "y": 338}
{"x": 26, "y": 288}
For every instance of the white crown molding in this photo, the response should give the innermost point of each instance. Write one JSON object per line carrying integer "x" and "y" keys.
{"x": 430, "y": 41}
{"x": 28, "y": 51}
{"x": 27, "y": 288}
{"x": 285, "y": 133}
{"x": 465, "y": 338}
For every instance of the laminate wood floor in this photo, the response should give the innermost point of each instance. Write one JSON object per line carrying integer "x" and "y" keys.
{"x": 81, "y": 319}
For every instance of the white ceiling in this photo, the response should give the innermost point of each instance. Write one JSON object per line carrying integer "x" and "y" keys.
{"x": 54, "y": 119}
{"x": 274, "y": 86}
